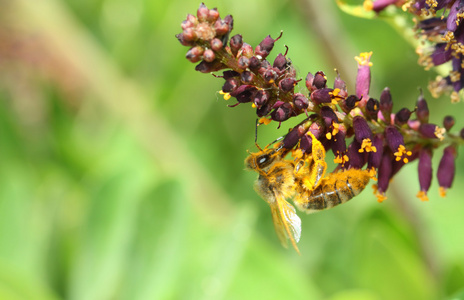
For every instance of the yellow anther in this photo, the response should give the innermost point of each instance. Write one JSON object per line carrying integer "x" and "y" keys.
{"x": 440, "y": 133}
{"x": 265, "y": 121}
{"x": 363, "y": 59}
{"x": 380, "y": 196}
{"x": 367, "y": 146}
{"x": 402, "y": 152}
{"x": 339, "y": 159}
{"x": 422, "y": 195}
{"x": 442, "y": 191}
{"x": 226, "y": 95}
{"x": 368, "y": 5}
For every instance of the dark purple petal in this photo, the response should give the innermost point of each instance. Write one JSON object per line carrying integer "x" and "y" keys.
{"x": 446, "y": 169}
{"x": 361, "y": 129}
{"x": 425, "y": 170}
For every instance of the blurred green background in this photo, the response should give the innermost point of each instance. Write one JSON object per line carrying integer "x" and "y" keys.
{"x": 122, "y": 173}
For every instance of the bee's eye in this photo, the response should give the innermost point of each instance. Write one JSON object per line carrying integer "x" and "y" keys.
{"x": 263, "y": 160}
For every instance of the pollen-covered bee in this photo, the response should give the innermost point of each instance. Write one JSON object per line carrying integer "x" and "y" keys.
{"x": 303, "y": 179}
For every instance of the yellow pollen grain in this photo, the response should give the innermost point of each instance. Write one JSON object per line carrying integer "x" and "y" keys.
{"x": 328, "y": 135}
{"x": 253, "y": 105}
{"x": 225, "y": 95}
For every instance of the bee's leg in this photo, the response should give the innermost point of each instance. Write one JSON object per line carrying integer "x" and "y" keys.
{"x": 318, "y": 165}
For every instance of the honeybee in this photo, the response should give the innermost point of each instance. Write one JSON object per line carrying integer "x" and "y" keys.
{"x": 303, "y": 179}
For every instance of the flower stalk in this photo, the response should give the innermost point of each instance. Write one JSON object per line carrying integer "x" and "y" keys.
{"x": 359, "y": 129}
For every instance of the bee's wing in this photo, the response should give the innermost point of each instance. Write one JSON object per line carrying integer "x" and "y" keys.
{"x": 286, "y": 222}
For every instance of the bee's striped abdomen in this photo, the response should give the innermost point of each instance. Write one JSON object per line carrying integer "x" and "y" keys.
{"x": 333, "y": 190}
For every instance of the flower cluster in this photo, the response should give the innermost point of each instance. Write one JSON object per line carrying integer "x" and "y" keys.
{"x": 360, "y": 130}
{"x": 443, "y": 37}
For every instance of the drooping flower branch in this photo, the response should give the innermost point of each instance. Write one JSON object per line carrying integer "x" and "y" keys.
{"x": 440, "y": 28}
{"x": 377, "y": 136}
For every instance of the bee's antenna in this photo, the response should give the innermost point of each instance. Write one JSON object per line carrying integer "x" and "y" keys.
{"x": 256, "y": 135}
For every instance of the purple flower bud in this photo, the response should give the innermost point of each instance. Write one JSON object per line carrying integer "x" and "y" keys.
{"x": 189, "y": 22}
{"x": 441, "y": 54}
{"x": 402, "y": 116}
{"x": 322, "y": 96}
{"x": 372, "y": 108}
{"x": 216, "y": 44}
{"x": 282, "y": 113}
{"x": 254, "y": 63}
{"x": 202, "y": 13}
{"x": 386, "y": 104}
{"x": 280, "y": 62}
{"x": 221, "y": 27}
{"x": 349, "y": 103}
{"x": 230, "y": 85}
{"x": 394, "y": 138}
{"x": 246, "y": 50}
{"x": 306, "y": 144}
{"x": 339, "y": 83}
{"x": 300, "y": 101}
{"x": 194, "y": 54}
{"x": 265, "y": 47}
{"x": 247, "y": 77}
{"x": 261, "y": 97}
{"x": 189, "y": 35}
{"x": 270, "y": 75}
{"x": 363, "y": 77}
{"x": 328, "y": 115}
{"x": 375, "y": 157}
{"x": 209, "y": 55}
{"x": 385, "y": 172}
{"x": 229, "y": 74}
{"x": 425, "y": 172}
{"x": 286, "y": 85}
{"x": 243, "y": 62}
{"x": 428, "y": 130}
{"x": 208, "y": 67}
{"x": 229, "y": 21}
{"x": 339, "y": 145}
{"x": 309, "y": 82}
{"x": 264, "y": 110}
{"x": 356, "y": 159}
{"x": 244, "y": 93}
{"x": 183, "y": 41}
{"x": 422, "y": 111}
{"x": 361, "y": 129}
{"x": 446, "y": 169}
{"x": 452, "y": 20}
{"x": 320, "y": 80}
{"x": 236, "y": 43}
{"x": 213, "y": 15}
{"x": 292, "y": 138}
{"x": 448, "y": 122}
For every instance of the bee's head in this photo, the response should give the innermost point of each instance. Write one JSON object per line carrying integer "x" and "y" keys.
{"x": 259, "y": 160}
